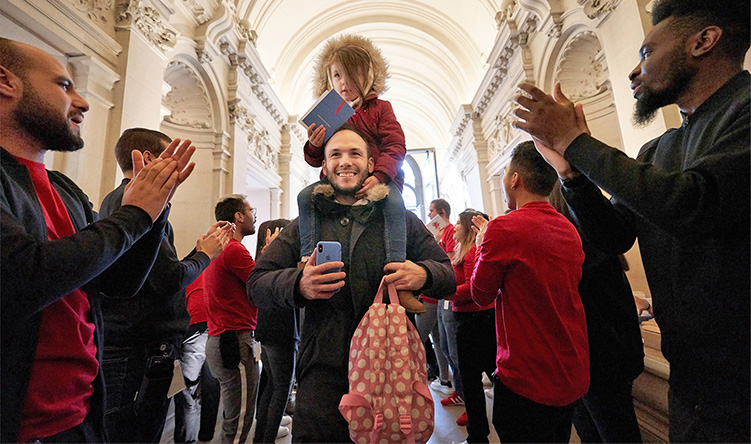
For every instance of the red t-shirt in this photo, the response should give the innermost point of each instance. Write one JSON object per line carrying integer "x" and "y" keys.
{"x": 448, "y": 244}
{"x": 65, "y": 364}
{"x": 196, "y": 301}
{"x": 462, "y": 300}
{"x": 227, "y": 304}
{"x": 530, "y": 264}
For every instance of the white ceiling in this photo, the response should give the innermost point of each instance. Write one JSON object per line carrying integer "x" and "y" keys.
{"x": 437, "y": 52}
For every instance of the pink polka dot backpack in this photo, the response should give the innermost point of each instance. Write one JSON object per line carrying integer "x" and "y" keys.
{"x": 388, "y": 400}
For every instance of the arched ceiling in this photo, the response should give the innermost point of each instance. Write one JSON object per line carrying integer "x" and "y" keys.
{"x": 437, "y": 52}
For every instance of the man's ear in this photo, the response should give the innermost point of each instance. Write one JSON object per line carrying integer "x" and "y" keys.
{"x": 371, "y": 165}
{"x": 10, "y": 84}
{"x": 704, "y": 41}
{"x": 147, "y": 157}
{"x": 516, "y": 180}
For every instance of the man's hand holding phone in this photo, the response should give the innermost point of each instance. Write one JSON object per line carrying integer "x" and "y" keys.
{"x": 318, "y": 281}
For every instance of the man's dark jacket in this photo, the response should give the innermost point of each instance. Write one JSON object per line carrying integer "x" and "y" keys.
{"x": 37, "y": 272}
{"x": 158, "y": 313}
{"x": 329, "y": 324}
{"x": 688, "y": 201}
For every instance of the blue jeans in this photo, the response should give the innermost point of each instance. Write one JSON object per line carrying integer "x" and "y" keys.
{"x": 137, "y": 381}
{"x": 279, "y": 370}
{"x": 447, "y": 332}
{"x": 395, "y": 227}
{"x": 427, "y": 324}
{"x": 198, "y": 404}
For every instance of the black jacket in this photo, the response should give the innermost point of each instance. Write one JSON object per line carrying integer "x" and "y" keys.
{"x": 37, "y": 272}
{"x": 158, "y": 313}
{"x": 329, "y": 324}
{"x": 687, "y": 199}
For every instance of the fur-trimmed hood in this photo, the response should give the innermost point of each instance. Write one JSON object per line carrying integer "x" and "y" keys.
{"x": 378, "y": 192}
{"x": 379, "y": 66}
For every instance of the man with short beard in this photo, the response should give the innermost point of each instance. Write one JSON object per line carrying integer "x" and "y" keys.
{"x": 56, "y": 256}
{"x": 336, "y": 302}
{"x": 686, "y": 197}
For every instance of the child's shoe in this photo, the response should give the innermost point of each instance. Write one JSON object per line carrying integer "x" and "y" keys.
{"x": 410, "y": 303}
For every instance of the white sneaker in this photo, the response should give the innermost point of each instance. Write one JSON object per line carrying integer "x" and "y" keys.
{"x": 286, "y": 420}
{"x": 283, "y": 431}
{"x": 442, "y": 386}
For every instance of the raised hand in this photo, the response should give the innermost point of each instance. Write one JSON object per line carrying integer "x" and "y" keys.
{"x": 555, "y": 122}
{"x": 315, "y": 283}
{"x": 479, "y": 225}
{"x": 315, "y": 136}
{"x": 151, "y": 188}
{"x": 213, "y": 242}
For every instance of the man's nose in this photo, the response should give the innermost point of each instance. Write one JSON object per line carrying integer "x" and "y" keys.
{"x": 634, "y": 72}
{"x": 79, "y": 102}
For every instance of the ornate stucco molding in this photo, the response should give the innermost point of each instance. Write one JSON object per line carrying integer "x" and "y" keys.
{"x": 199, "y": 10}
{"x": 187, "y": 101}
{"x": 96, "y": 10}
{"x": 147, "y": 21}
{"x": 582, "y": 70}
{"x": 595, "y": 9}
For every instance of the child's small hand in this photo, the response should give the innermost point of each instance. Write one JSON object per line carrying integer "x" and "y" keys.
{"x": 369, "y": 183}
{"x": 315, "y": 137}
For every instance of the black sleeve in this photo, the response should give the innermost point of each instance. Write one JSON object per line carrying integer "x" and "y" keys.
{"x": 706, "y": 198}
{"x": 36, "y": 274}
{"x": 423, "y": 250}
{"x": 275, "y": 281}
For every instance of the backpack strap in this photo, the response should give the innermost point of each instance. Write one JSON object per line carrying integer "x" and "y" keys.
{"x": 393, "y": 297}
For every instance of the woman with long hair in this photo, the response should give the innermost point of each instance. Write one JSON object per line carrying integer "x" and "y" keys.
{"x": 475, "y": 331}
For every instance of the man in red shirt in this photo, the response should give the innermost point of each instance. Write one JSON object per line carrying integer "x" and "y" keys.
{"x": 57, "y": 257}
{"x": 232, "y": 321}
{"x": 530, "y": 264}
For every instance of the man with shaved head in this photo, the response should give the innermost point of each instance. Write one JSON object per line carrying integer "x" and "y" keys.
{"x": 57, "y": 257}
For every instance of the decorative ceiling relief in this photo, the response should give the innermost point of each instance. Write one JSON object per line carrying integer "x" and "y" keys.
{"x": 96, "y": 10}
{"x": 503, "y": 134}
{"x": 582, "y": 70}
{"x": 598, "y": 8}
{"x": 147, "y": 21}
{"x": 259, "y": 144}
{"x": 188, "y": 101}
{"x": 199, "y": 10}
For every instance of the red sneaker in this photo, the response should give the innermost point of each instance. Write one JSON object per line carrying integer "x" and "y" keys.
{"x": 452, "y": 400}
{"x": 462, "y": 420}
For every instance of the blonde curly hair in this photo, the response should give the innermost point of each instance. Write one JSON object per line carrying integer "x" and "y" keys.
{"x": 354, "y": 54}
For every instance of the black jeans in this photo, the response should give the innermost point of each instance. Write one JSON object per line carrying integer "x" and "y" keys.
{"x": 278, "y": 372}
{"x": 518, "y": 419}
{"x": 476, "y": 350}
{"x": 606, "y": 412}
{"x": 137, "y": 381}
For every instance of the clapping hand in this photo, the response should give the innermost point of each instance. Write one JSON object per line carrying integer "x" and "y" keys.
{"x": 479, "y": 225}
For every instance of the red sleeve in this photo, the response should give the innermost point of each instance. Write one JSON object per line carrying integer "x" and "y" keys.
{"x": 447, "y": 239}
{"x": 313, "y": 154}
{"x": 238, "y": 261}
{"x": 493, "y": 258}
{"x": 463, "y": 287}
{"x": 392, "y": 148}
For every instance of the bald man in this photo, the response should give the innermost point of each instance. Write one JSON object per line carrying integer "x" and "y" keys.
{"x": 57, "y": 257}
